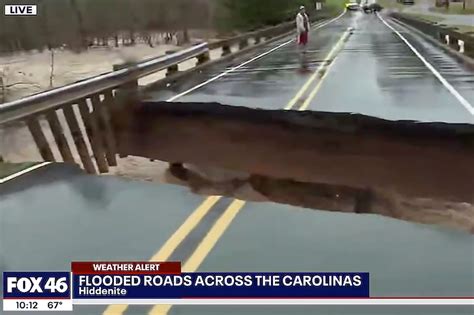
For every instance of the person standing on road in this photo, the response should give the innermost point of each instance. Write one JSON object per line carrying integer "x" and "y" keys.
{"x": 302, "y": 28}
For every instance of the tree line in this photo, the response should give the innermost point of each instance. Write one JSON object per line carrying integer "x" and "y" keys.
{"x": 81, "y": 23}
{"x": 252, "y": 14}
{"x": 78, "y": 24}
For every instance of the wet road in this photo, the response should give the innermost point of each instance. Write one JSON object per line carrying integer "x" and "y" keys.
{"x": 59, "y": 214}
{"x": 71, "y": 216}
{"x": 375, "y": 73}
{"x": 269, "y": 82}
{"x": 382, "y": 77}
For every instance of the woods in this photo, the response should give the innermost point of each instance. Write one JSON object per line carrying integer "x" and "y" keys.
{"x": 78, "y": 24}
{"x": 247, "y": 14}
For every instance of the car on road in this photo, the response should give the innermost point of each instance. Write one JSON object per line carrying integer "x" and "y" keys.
{"x": 372, "y": 8}
{"x": 352, "y": 6}
{"x": 408, "y": 2}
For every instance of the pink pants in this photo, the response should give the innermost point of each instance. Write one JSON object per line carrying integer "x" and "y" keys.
{"x": 303, "y": 38}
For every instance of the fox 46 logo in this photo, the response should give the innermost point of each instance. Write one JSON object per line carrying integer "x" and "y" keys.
{"x": 36, "y": 284}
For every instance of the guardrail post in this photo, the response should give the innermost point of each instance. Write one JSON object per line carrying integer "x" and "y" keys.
{"x": 59, "y": 137}
{"x": 40, "y": 139}
{"x": 452, "y": 42}
{"x": 100, "y": 108}
{"x": 172, "y": 69}
{"x": 269, "y": 35}
{"x": 444, "y": 36}
{"x": 461, "y": 46}
{"x": 203, "y": 58}
{"x": 226, "y": 50}
{"x": 78, "y": 138}
{"x": 132, "y": 86}
{"x": 243, "y": 43}
{"x": 469, "y": 48}
{"x": 126, "y": 94}
{"x": 92, "y": 128}
{"x": 441, "y": 37}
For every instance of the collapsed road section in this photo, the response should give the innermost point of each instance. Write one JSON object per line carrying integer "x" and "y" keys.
{"x": 415, "y": 171}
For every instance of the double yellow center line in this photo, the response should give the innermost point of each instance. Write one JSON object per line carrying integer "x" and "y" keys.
{"x": 224, "y": 221}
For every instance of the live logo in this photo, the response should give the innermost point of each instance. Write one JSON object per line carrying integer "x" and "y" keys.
{"x": 23, "y": 9}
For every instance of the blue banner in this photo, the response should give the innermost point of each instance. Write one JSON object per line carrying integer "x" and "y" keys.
{"x": 221, "y": 285}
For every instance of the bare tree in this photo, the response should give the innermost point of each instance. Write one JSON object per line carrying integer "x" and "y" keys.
{"x": 80, "y": 23}
{"x": 77, "y": 12}
{"x": 51, "y": 73}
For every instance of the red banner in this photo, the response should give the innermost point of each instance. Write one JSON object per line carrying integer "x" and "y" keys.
{"x": 124, "y": 267}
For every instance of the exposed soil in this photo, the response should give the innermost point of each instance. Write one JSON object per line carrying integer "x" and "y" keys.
{"x": 413, "y": 159}
{"x": 206, "y": 181}
{"x": 336, "y": 162}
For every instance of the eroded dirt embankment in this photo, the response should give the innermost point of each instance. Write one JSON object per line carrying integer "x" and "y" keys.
{"x": 331, "y": 161}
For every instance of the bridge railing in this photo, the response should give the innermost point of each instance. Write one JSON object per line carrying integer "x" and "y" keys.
{"x": 84, "y": 107}
{"x": 461, "y": 42}
{"x": 72, "y": 123}
{"x": 56, "y": 97}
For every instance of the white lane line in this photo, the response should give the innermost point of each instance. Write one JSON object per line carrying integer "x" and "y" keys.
{"x": 247, "y": 62}
{"x": 23, "y": 172}
{"x": 438, "y": 75}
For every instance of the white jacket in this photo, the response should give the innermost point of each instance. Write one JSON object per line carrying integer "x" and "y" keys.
{"x": 300, "y": 23}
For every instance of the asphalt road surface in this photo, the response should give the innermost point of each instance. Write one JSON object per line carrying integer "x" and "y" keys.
{"x": 374, "y": 72}
{"x": 58, "y": 214}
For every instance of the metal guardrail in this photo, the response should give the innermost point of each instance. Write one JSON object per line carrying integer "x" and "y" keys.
{"x": 462, "y": 43}
{"x": 257, "y": 35}
{"x": 56, "y": 97}
{"x": 86, "y": 105}
{"x": 271, "y": 31}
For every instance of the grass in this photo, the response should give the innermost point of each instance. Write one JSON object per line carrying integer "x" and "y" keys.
{"x": 454, "y": 8}
{"x": 391, "y": 4}
{"x": 464, "y": 28}
{"x": 426, "y": 17}
{"x": 7, "y": 169}
{"x": 437, "y": 19}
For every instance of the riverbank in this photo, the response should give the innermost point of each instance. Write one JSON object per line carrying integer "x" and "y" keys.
{"x": 26, "y": 73}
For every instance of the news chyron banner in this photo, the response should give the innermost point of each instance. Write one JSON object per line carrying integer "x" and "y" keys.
{"x": 108, "y": 283}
